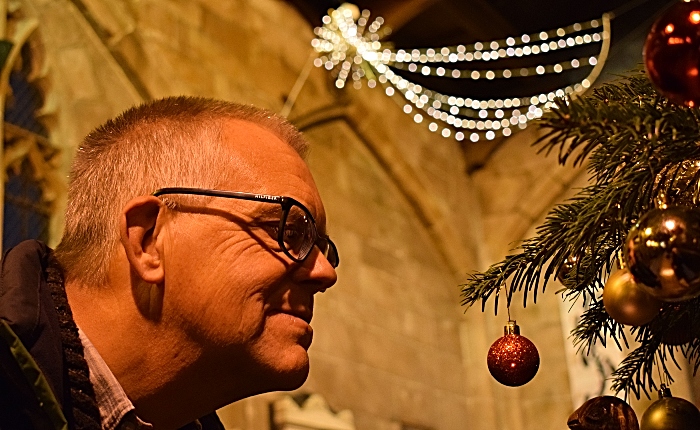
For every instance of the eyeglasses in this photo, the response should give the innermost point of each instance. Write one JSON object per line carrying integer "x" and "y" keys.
{"x": 296, "y": 232}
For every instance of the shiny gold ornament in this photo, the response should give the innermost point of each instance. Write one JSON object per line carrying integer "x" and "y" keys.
{"x": 604, "y": 413}
{"x": 513, "y": 359}
{"x": 670, "y": 413}
{"x": 626, "y": 302}
{"x": 662, "y": 251}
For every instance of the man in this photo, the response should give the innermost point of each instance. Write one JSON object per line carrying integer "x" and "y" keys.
{"x": 194, "y": 244}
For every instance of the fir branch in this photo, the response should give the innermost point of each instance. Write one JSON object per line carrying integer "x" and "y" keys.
{"x": 636, "y": 372}
{"x": 596, "y": 326}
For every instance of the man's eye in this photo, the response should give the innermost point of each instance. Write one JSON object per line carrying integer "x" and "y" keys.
{"x": 271, "y": 228}
{"x": 293, "y": 233}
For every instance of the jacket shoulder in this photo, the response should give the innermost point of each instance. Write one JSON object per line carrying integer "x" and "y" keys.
{"x": 21, "y": 279}
{"x": 27, "y": 306}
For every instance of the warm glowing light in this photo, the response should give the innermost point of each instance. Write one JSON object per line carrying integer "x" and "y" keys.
{"x": 694, "y": 17}
{"x": 349, "y": 47}
{"x": 669, "y": 29}
{"x": 667, "y": 272}
{"x": 670, "y": 224}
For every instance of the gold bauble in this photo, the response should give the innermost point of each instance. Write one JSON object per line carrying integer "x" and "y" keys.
{"x": 662, "y": 251}
{"x": 626, "y": 302}
{"x": 670, "y": 413}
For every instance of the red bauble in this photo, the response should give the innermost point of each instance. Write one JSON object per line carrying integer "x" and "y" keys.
{"x": 513, "y": 359}
{"x": 672, "y": 53}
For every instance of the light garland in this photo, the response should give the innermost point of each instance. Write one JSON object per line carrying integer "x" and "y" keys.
{"x": 494, "y": 74}
{"x": 447, "y": 55}
{"x": 509, "y": 42}
{"x": 350, "y": 48}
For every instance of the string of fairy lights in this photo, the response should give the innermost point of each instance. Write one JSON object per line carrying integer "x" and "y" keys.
{"x": 350, "y": 47}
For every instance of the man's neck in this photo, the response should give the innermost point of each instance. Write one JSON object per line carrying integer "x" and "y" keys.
{"x": 151, "y": 363}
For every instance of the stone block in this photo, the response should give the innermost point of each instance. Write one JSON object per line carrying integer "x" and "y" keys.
{"x": 188, "y": 11}
{"x": 543, "y": 195}
{"x": 337, "y": 336}
{"x": 501, "y": 193}
{"x": 517, "y": 154}
{"x": 58, "y": 25}
{"x": 130, "y": 48}
{"x": 451, "y": 412}
{"x": 228, "y": 32}
{"x": 412, "y": 403}
{"x": 360, "y": 388}
{"x": 89, "y": 114}
{"x": 424, "y": 327}
{"x": 503, "y": 233}
{"x": 448, "y": 334}
{"x": 160, "y": 23}
{"x": 385, "y": 351}
{"x": 481, "y": 411}
{"x": 225, "y": 9}
{"x": 116, "y": 18}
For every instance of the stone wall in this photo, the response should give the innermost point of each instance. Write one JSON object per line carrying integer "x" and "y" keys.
{"x": 391, "y": 343}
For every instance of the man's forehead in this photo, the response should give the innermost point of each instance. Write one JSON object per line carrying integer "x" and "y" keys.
{"x": 262, "y": 163}
{"x": 250, "y": 137}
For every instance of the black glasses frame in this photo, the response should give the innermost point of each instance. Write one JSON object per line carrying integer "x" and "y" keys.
{"x": 323, "y": 242}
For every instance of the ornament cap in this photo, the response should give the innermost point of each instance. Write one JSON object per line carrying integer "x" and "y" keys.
{"x": 511, "y": 328}
{"x": 664, "y": 392}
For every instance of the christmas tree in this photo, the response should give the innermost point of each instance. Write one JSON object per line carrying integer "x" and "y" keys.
{"x": 641, "y": 152}
{"x": 627, "y": 244}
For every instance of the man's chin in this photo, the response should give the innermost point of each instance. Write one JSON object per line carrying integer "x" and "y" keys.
{"x": 282, "y": 365}
{"x": 285, "y": 379}
{"x": 294, "y": 381}
{"x": 295, "y": 373}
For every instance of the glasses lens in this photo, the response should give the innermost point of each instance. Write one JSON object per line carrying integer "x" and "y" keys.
{"x": 328, "y": 249}
{"x": 299, "y": 232}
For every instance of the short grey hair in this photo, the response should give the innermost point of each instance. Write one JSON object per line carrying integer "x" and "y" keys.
{"x": 170, "y": 142}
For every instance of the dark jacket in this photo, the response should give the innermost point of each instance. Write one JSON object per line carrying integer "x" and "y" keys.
{"x": 34, "y": 306}
{"x": 26, "y": 305}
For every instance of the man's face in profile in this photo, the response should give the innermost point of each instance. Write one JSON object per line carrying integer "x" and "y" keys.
{"x": 239, "y": 299}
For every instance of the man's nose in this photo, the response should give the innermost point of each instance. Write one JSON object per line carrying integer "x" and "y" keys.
{"x": 317, "y": 271}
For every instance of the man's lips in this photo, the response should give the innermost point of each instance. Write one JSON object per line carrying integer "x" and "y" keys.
{"x": 303, "y": 314}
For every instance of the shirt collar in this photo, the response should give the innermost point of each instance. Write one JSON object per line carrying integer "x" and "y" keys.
{"x": 116, "y": 410}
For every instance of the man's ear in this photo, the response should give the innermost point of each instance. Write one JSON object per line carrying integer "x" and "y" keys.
{"x": 138, "y": 230}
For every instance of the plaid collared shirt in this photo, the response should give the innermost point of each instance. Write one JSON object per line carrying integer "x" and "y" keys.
{"x": 116, "y": 410}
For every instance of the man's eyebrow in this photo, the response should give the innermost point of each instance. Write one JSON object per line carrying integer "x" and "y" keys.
{"x": 267, "y": 209}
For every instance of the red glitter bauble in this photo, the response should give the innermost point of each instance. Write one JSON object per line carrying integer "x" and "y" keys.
{"x": 672, "y": 53}
{"x": 513, "y": 359}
